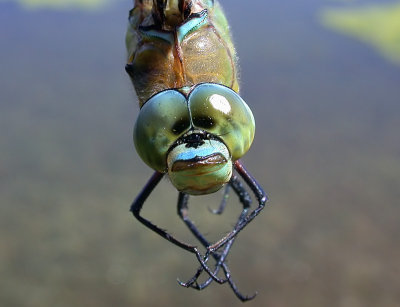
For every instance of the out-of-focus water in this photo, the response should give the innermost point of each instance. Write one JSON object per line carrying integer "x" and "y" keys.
{"x": 327, "y": 150}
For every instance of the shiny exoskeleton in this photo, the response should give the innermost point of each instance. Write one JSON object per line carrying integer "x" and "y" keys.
{"x": 192, "y": 125}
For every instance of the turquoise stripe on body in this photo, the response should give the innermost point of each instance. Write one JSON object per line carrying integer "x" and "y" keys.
{"x": 151, "y": 34}
{"x": 192, "y": 25}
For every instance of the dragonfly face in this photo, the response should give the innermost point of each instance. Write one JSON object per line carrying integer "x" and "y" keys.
{"x": 194, "y": 135}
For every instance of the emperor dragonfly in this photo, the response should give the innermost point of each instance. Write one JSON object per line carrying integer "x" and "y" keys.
{"x": 192, "y": 124}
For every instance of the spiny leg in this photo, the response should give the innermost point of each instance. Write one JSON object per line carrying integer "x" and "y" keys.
{"x": 220, "y": 263}
{"x": 239, "y": 190}
{"x": 224, "y": 201}
{"x": 261, "y": 198}
{"x": 242, "y": 222}
{"x": 183, "y": 213}
{"x": 244, "y": 198}
{"x": 220, "y": 258}
{"x": 136, "y": 207}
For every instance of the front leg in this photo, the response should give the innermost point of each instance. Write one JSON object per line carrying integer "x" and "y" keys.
{"x": 245, "y": 199}
{"x": 261, "y": 197}
{"x": 136, "y": 207}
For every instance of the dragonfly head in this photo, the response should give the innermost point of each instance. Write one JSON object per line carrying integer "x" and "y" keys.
{"x": 195, "y": 135}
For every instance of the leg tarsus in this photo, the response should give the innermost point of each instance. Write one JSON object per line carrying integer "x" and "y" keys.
{"x": 243, "y": 298}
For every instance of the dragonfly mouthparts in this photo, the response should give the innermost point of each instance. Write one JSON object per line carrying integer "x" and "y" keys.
{"x": 207, "y": 162}
{"x": 194, "y": 140}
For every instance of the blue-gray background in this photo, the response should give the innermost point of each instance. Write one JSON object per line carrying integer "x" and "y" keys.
{"x": 327, "y": 150}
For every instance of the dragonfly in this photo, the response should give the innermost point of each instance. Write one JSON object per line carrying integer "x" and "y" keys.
{"x": 192, "y": 126}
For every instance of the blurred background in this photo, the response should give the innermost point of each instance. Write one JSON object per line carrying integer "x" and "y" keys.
{"x": 323, "y": 81}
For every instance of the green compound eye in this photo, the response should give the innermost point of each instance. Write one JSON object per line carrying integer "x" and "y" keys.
{"x": 219, "y": 110}
{"x": 161, "y": 121}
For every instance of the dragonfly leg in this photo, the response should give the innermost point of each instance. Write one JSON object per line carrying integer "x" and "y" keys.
{"x": 136, "y": 207}
{"x": 183, "y": 214}
{"x": 261, "y": 197}
{"x": 223, "y": 203}
{"x": 245, "y": 199}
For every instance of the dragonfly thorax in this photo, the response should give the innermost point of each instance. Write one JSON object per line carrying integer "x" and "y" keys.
{"x": 173, "y": 44}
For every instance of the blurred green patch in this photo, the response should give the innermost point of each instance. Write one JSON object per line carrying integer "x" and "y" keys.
{"x": 63, "y": 4}
{"x": 377, "y": 25}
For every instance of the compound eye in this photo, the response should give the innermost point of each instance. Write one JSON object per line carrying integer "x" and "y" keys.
{"x": 205, "y": 122}
{"x": 161, "y": 121}
{"x": 219, "y": 110}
